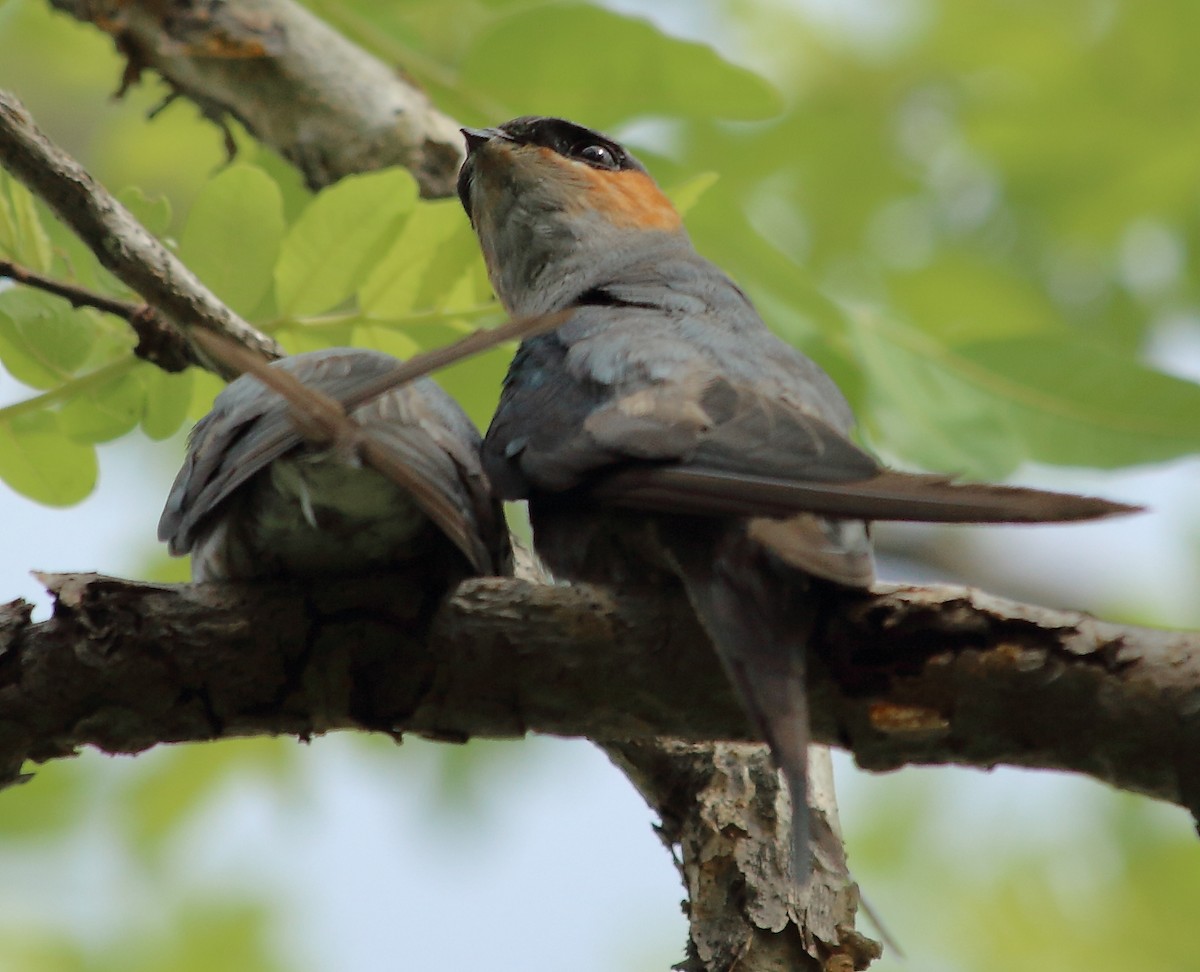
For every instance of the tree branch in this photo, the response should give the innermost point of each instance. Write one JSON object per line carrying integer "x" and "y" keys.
{"x": 120, "y": 242}
{"x": 905, "y": 675}
{"x": 158, "y": 342}
{"x": 723, "y": 805}
{"x": 326, "y": 105}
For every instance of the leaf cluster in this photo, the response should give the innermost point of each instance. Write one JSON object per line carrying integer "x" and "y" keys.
{"x": 364, "y": 262}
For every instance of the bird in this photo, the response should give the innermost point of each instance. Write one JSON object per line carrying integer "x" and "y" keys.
{"x": 256, "y": 500}
{"x": 663, "y": 436}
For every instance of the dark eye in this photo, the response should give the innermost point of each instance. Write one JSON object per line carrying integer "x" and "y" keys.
{"x": 595, "y": 154}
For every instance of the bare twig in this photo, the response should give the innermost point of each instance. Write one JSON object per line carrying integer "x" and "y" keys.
{"x": 76, "y": 295}
{"x": 321, "y": 419}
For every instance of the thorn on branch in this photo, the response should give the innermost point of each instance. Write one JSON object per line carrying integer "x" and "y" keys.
{"x": 162, "y": 106}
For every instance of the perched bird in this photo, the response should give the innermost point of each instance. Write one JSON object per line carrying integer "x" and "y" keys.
{"x": 663, "y": 434}
{"x": 255, "y": 500}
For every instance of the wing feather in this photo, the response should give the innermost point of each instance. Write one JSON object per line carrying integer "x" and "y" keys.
{"x": 414, "y": 434}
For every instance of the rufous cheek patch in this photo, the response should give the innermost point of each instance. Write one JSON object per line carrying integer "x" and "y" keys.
{"x": 628, "y": 199}
{"x": 631, "y": 200}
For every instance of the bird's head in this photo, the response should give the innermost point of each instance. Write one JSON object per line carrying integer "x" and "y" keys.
{"x": 559, "y": 208}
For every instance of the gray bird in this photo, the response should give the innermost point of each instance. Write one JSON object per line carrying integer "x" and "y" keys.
{"x": 254, "y": 500}
{"x": 663, "y": 435}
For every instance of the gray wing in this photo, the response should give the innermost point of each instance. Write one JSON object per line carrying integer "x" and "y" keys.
{"x": 434, "y": 448}
{"x": 432, "y": 445}
{"x": 558, "y": 431}
{"x": 740, "y": 453}
{"x": 692, "y": 440}
{"x": 685, "y": 434}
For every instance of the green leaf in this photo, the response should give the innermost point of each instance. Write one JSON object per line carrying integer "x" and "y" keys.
{"x": 389, "y": 340}
{"x": 38, "y": 461}
{"x": 961, "y": 297}
{"x": 339, "y": 239}
{"x": 167, "y": 397}
{"x": 434, "y": 250}
{"x": 153, "y": 212}
{"x": 298, "y": 339}
{"x": 104, "y": 412}
{"x": 1075, "y": 402}
{"x": 32, "y": 245}
{"x": 233, "y": 234}
{"x": 43, "y": 340}
{"x": 573, "y": 72}
{"x": 687, "y": 194}
{"x": 921, "y": 406}
{"x": 984, "y": 408}
{"x": 8, "y": 224}
{"x": 205, "y": 387}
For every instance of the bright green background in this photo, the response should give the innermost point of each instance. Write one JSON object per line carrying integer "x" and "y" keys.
{"x": 978, "y": 216}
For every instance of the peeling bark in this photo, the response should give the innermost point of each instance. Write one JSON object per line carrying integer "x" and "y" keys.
{"x": 723, "y": 805}
{"x": 932, "y": 675}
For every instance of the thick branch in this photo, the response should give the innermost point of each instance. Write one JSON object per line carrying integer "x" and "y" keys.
{"x": 724, "y": 806}
{"x": 120, "y": 242}
{"x": 910, "y": 675}
{"x": 323, "y": 103}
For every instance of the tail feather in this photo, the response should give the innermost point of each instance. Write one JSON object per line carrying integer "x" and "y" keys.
{"x": 888, "y": 495}
{"x": 760, "y": 635}
{"x": 778, "y": 704}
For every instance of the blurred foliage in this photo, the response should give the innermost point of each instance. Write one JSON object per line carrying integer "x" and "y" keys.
{"x": 1111, "y": 879}
{"x": 976, "y": 216}
{"x": 207, "y": 936}
{"x": 363, "y": 262}
{"x": 133, "y": 811}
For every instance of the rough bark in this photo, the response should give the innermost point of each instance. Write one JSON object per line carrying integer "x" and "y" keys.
{"x": 724, "y": 806}
{"x": 903, "y": 675}
{"x": 927, "y": 675}
{"x": 326, "y": 105}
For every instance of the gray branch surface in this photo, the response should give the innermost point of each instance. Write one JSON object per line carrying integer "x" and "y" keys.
{"x": 326, "y": 105}
{"x": 902, "y": 675}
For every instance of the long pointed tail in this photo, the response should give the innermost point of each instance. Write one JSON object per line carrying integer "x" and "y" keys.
{"x": 760, "y": 629}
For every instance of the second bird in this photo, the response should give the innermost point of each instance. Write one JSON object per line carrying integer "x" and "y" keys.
{"x": 254, "y": 500}
{"x": 663, "y": 435}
